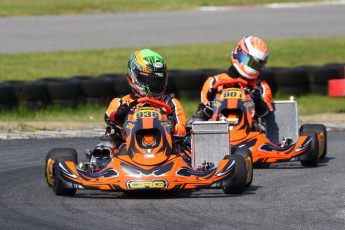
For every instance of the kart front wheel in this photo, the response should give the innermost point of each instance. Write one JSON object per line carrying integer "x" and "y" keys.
{"x": 321, "y": 134}
{"x": 314, "y": 158}
{"x": 57, "y": 183}
{"x": 239, "y": 184}
{"x": 53, "y": 156}
{"x": 247, "y": 154}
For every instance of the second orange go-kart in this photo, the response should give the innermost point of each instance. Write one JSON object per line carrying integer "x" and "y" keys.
{"x": 282, "y": 141}
{"x": 147, "y": 159}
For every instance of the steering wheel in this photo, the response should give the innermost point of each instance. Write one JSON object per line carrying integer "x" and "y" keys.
{"x": 230, "y": 82}
{"x": 155, "y": 102}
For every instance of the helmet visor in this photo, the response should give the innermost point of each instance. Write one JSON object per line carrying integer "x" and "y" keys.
{"x": 154, "y": 83}
{"x": 250, "y": 61}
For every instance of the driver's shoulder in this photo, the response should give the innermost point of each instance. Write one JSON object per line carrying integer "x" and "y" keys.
{"x": 223, "y": 76}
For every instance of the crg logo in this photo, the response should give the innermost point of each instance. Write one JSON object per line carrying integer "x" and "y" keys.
{"x": 153, "y": 184}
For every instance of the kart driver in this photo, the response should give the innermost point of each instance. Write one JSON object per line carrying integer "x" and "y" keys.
{"x": 147, "y": 76}
{"x": 248, "y": 59}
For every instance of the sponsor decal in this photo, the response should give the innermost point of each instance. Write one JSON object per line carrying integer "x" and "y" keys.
{"x": 149, "y": 155}
{"x": 165, "y": 124}
{"x": 146, "y": 114}
{"x": 232, "y": 93}
{"x": 248, "y": 104}
{"x": 129, "y": 125}
{"x": 216, "y": 104}
{"x": 142, "y": 184}
{"x": 157, "y": 65}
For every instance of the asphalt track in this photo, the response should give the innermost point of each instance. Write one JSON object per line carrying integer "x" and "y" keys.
{"x": 285, "y": 196}
{"x": 103, "y": 31}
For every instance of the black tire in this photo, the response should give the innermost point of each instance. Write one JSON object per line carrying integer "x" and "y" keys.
{"x": 62, "y": 152}
{"x": 119, "y": 83}
{"x": 313, "y": 161}
{"x": 187, "y": 79}
{"x": 8, "y": 98}
{"x": 239, "y": 185}
{"x": 318, "y": 89}
{"x": 267, "y": 75}
{"x": 247, "y": 154}
{"x": 58, "y": 185}
{"x": 188, "y": 82}
{"x": 292, "y": 81}
{"x": 56, "y": 153}
{"x": 321, "y": 75}
{"x": 63, "y": 92}
{"x": 340, "y": 67}
{"x": 32, "y": 95}
{"x": 96, "y": 90}
{"x": 319, "y": 128}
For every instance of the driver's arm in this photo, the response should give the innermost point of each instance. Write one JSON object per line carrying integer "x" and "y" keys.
{"x": 118, "y": 109}
{"x": 205, "y": 89}
{"x": 109, "y": 116}
{"x": 178, "y": 115}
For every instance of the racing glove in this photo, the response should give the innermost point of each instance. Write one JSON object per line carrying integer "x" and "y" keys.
{"x": 211, "y": 93}
{"x": 207, "y": 110}
{"x": 123, "y": 110}
{"x": 179, "y": 130}
{"x": 256, "y": 95}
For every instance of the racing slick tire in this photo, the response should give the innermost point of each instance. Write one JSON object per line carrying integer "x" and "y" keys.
{"x": 59, "y": 154}
{"x": 322, "y": 136}
{"x": 58, "y": 185}
{"x": 314, "y": 158}
{"x": 239, "y": 184}
{"x": 247, "y": 154}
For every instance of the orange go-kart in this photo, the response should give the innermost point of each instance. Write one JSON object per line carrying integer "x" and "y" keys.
{"x": 282, "y": 141}
{"x": 146, "y": 159}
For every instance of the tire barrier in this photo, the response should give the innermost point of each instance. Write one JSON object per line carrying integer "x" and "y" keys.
{"x": 29, "y": 94}
{"x": 118, "y": 81}
{"x": 188, "y": 83}
{"x": 268, "y": 76}
{"x": 7, "y": 97}
{"x": 63, "y": 92}
{"x": 95, "y": 90}
{"x": 70, "y": 92}
{"x": 319, "y": 77}
{"x": 291, "y": 81}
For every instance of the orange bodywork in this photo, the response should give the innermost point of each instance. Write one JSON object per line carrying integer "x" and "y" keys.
{"x": 121, "y": 175}
{"x": 146, "y": 160}
{"x": 234, "y": 105}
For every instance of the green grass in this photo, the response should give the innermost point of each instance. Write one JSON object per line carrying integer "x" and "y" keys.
{"x": 48, "y": 7}
{"x": 288, "y": 53}
{"x": 84, "y": 113}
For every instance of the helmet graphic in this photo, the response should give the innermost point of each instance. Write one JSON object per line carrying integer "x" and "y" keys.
{"x": 250, "y": 56}
{"x": 147, "y": 73}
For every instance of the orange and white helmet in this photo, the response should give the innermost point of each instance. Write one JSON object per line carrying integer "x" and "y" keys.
{"x": 250, "y": 56}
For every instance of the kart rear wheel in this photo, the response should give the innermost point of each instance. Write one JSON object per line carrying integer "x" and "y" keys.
{"x": 247, "y": 154}
{"x": 322, "y": 135}
{"x": 239, "y": 184}
{"x": 313, "y": 161}
{"x": 57, "y": 153}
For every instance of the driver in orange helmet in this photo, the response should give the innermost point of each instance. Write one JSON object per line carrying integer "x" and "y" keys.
{"x": 147, "y": 76}
{"x": 248, "y": 59}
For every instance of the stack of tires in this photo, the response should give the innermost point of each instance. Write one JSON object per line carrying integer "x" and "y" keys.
{"x": 27, "y": 94}
{"x": 102, "y": 89}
